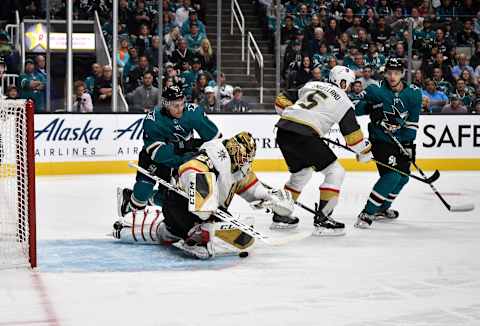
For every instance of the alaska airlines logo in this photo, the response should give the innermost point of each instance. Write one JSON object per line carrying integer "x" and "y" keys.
{"x": 56, "y": 131}
{"x": 132, "y": 132}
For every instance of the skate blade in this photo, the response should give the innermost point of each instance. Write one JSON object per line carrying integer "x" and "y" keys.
{"x": 119, "y": 201}
{"x": 282, "y": 226}
{"x": 362, "y": 225}
{"x": 328, "y": 232}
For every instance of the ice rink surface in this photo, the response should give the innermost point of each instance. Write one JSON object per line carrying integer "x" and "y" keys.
{"x": 422, "y": 269}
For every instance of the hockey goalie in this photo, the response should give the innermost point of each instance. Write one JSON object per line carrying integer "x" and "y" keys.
{"x": 220, "y": 170}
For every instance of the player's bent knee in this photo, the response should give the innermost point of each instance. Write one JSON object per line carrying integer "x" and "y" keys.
{"x": 334, "y": 174}
{"x": 298, "y": 180}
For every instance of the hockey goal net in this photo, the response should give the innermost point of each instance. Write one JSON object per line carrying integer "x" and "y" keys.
{"x": 17, "y": 184}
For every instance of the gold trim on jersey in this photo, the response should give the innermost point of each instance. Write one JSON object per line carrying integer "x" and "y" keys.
{"x": 354, "y": 137}
{"x": 193, "y": 165}
{"x": 282, "y": 101}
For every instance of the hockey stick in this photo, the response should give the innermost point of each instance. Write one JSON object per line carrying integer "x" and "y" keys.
{"x": 451, "y": 208}
{"x": 222, "y": 215}
{"x": 301, "y": 205}
{"x": 434, "y": 176}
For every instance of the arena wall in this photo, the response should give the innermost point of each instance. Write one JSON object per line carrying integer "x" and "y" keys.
{"x": 104, "y": 143}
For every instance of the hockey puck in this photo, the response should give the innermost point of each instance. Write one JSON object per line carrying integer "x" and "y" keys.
{"x": 243, "y": 254}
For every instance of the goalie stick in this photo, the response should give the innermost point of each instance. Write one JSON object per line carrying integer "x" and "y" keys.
{"x": 224, "y": 216}
{"x": 428, "y": 180}
{"x": 451, "y": 208}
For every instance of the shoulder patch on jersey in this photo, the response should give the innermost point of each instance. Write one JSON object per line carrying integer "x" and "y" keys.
{"x": 150, "y": 115}
{"x": 205, "y": 160}
{"x": 191, "y": 107}
{"x": 414, "y": 87}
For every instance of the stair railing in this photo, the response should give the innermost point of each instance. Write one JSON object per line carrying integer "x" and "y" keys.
{"x": 13, "y": 31}
{"x": 240, "y": 20}
{"x": 257, "y": 57}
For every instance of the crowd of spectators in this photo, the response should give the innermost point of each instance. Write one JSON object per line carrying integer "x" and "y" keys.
{"x": 187, "y": 55}
{"x": 316, "y": 35}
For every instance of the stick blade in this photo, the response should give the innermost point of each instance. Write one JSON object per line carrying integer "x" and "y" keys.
{"x": 462, "y": 208}
{"x": 434, "y": 177}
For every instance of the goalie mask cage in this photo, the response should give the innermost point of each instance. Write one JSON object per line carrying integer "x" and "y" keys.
{"x": 17, "y": 184}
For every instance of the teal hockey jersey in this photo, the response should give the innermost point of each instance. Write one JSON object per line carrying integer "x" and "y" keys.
{"x": 161, "y": 132}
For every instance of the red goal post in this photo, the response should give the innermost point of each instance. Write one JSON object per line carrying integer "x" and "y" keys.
{"x": 17, "y": 184}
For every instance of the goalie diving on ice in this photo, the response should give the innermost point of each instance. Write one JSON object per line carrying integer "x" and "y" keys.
{"x": 207, "y": 184}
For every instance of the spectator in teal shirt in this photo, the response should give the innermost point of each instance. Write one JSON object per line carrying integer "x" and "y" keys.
{"x": 32, "y": 86}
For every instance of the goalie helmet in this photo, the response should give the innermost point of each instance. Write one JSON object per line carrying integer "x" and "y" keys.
{"x": 242, "y": 149}
{"x": 341, "y": 76}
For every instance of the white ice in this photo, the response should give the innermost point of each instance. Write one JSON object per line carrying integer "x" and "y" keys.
{"x": 422, "y": 269}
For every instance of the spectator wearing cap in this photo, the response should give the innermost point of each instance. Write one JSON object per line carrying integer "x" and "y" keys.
{"x": 209, "y": 103}
{"x": 12, "y": 92}
{"x": 182, "y": 53}
{"x": 462, "y": 65}
{"x": 193, "y": 19}
{"x": 144, "y": 97}
{"x": 144, "y": 39}
{"x": 436, "y": 99}
{"x": 103, "y": 91}
{"x": 237, "y": 104}
{"x": 82, "y": 101}
{"x": 32, "y": 86}
{"x": 170, "y": 41}
{"x": 455, "y": 107}
{"x": 122, "y": 55}
{"x": 194, "y": 38}
{"x": 316, "y": 72}
{"x": 207, "y": 56}
{"x": 182, "y": 13}
{"x": 289, "y": 30}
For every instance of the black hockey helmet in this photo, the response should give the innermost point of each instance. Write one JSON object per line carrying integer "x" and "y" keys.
{"x": 394, "y": 64}
{"x": 171, "y": 94}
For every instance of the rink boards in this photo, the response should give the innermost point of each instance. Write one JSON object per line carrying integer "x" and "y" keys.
{"x": 104, "y": 143}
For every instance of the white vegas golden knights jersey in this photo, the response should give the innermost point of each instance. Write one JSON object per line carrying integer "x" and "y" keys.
{"x": 216, "y": 159}
{"x": 319, "y": 106}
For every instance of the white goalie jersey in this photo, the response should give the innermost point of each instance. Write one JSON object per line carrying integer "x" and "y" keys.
{"x": 319, "y": 106}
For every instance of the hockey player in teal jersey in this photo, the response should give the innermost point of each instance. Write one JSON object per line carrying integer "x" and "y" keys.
{"x": 394, "y": 109}
{"x": 168, "y": 143}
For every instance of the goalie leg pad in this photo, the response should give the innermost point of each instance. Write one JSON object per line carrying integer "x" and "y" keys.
{"x": 139, "y": 227}
{"x": 233, "y": 236}
{"x": 202, "y": 194}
